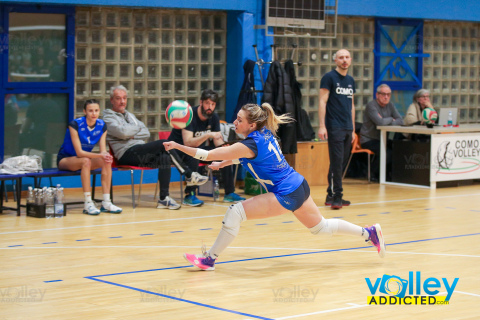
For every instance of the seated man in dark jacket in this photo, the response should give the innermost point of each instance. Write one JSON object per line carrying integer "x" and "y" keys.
{"x": 378, "y": 112}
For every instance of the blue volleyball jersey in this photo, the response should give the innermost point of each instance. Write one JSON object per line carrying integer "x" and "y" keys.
{"x": 269, "y": 167}
{"x": 88, "y": 137}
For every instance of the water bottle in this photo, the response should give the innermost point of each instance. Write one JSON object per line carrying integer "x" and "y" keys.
{"x": 450, "y": 119}
{"x": 216, "y": 191}
{"x": 39, "y": 197}
{"x": 49, "y": 205}
{"x": 30, "y": 196}
{"x": 59, "y": 202}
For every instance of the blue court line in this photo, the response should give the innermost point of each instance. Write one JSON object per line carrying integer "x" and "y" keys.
{"x": 261, "y": 224}
{"x": 95, "y": 278}
{"x": 361, "y": 215}
{"x": 285, "y": 255}
{"x": 115, "y": 237}
{"x": 430, "y": 209}
{"x": 386, "y": 212}
{"x": 475, "y": 210}
{"x": 181, "y": 300}
{"x": 206, "y": 229}
{"x": 175, "y": 231}
{"x": 440, "y": 238}
{"x": 50, "y": 242}
{"x": 287, "y": 222}
{"x": 147, "y": 234}
{"x": 407, "y": 211}
{"x": 52, "y": 281}
{"x": 16, "y": 245}
{"x": 83, "y": 240}
{"x": 337, "y": 217}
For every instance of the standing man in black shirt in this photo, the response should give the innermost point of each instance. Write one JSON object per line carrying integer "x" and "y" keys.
{"x": 204, "y": 132}
{"x": 336, "y": 114}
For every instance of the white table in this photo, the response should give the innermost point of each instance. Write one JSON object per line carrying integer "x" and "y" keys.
{"x": 454, "y": 152}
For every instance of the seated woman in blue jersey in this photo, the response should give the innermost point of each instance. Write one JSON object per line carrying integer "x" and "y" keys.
{"x": 287, "y": 190}
{"x": 76, "y": 154}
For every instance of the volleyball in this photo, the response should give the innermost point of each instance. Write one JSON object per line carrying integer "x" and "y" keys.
{"x": 429, "y": 115}
{"x": 179, "y": 114}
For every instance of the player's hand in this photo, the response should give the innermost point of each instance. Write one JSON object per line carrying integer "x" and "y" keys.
{"x": 169, "y": 145}
{"x": 216, "y": 165}
{"x": 216, "y": 135}
{"x": 107, "y": 157}
{"x": 322, "y": 133}
{"x": 354, "y": 136}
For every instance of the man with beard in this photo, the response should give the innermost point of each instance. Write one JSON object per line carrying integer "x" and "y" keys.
{"x": 336, "y": 115}
{"x": 204, "y": 132}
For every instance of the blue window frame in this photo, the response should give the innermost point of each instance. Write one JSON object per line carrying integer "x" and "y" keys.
{"x": 399, "y": 54}
{"x": 34, "y": 82}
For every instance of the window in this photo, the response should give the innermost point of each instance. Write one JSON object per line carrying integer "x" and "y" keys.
{"x": 178, "y": 50}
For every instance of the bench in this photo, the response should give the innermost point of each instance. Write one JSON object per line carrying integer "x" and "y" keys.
{"x": 18, "y": 179}
{"x": 37, "y": 177}
{"x": 50, "y": 173}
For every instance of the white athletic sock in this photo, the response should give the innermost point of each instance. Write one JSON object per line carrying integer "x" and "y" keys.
{"x": 334, "y": 226}
{"x": 221, "y": 243}
{"x": 365, "y": 234}
{"x": 88, "y": 196}
{"x": 106, "y": 197}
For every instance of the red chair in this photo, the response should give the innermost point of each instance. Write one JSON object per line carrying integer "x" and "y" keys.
{"x": 131, "y": 168}
{"x": 163, "y": 135}
{"x": 356, "y": 148}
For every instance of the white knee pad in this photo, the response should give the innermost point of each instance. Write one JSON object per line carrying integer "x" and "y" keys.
{"x": 233, "y": 218}
{"x": 326, "y": 226}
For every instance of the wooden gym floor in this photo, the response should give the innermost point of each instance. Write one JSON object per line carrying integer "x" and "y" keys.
{"x": 130, "y": 266}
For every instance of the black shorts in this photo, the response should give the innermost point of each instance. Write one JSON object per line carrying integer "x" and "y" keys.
{"x": 61, "y": 156}
{"x": 295, "y": 200}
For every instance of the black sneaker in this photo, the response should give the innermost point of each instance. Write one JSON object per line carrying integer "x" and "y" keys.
{"x": 337, "y": 202}
{"x": 329, "y": 200}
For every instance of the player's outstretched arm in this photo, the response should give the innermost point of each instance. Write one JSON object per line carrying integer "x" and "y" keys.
{"x": 235, "y": 151}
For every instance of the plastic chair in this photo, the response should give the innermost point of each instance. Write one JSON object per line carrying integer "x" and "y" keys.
{"x": 356, "y": 148}
{"x": 131, "y": 168}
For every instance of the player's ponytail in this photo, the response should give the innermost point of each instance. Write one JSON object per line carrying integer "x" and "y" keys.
{"x": 264, "y": 116}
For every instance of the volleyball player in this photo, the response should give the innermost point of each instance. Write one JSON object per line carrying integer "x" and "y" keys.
{"x": 287, "y": 190}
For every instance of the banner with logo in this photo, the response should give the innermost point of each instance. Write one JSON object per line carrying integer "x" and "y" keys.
{"x": 455, "y": 157}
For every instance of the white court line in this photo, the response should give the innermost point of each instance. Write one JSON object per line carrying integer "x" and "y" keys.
{"x": 456, "y": 291}
{"x": 467, "y": 293}
{"x": 165, "y": 247}
{"x": 354, "y": 306}
{"x": 113, "y": 224}
{"x": 203, "y": 217}
{"x": 415, "y": 199}
{"x": 241, "y": 248}
{"x": 429, "y": 253}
